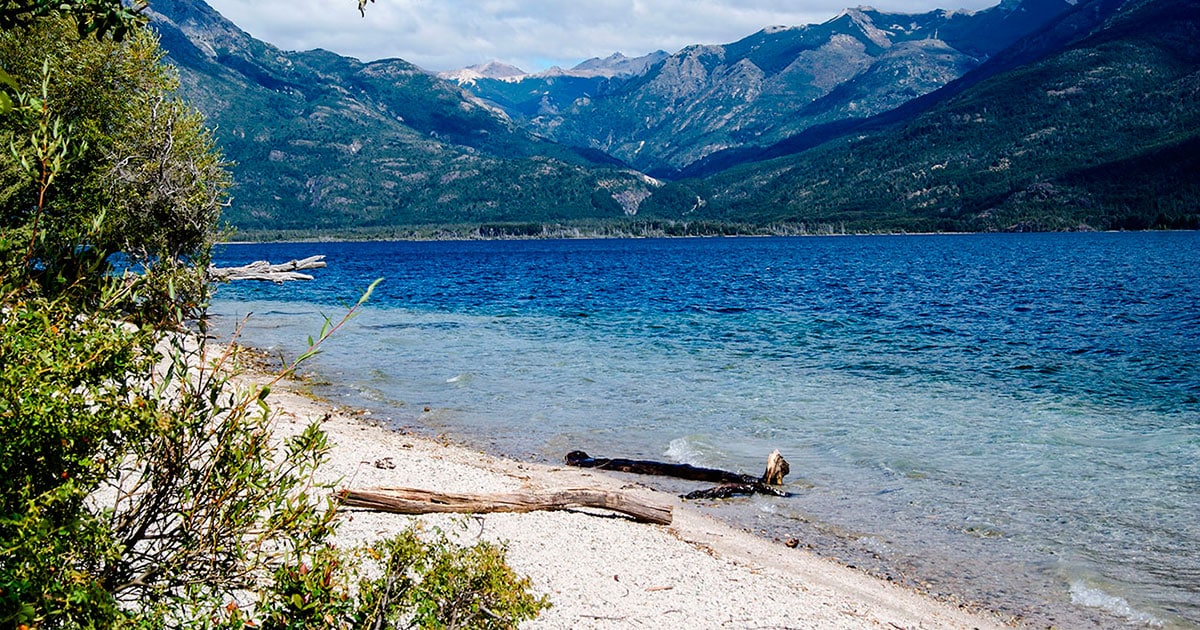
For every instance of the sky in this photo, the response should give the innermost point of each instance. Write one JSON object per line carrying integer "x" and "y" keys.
{"x": 530, "y": 34}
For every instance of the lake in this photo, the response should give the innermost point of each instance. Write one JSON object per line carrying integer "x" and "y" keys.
{"x": 1012, "y": 419}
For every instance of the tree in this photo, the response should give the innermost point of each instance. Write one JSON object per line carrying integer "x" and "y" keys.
{"x": 139, "y": 487}
{"x": 93, "y": 17}
{"x": 133, "y": 169}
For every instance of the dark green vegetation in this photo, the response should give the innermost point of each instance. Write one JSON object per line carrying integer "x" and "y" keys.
{"x": 627, "y": 228}
{"x": 100, "y": 159}
{"x": 1033, "y": 115}
{"x": 92, "y": 17}
{"x": 139, "y": 486}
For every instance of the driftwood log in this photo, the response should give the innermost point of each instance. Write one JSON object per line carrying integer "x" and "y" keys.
{"x": 728, "y": 490}
{"x": 266, "y": 272}
{"x": 731, "y": 483}
{"x": 416, "y": 501}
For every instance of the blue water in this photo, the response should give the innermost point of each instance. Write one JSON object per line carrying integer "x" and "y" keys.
{"x": 1009, "y": 419}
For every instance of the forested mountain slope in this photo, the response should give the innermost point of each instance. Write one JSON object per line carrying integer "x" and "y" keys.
{"x": 1102, "y": 134}
{"x": 322, "y": 141}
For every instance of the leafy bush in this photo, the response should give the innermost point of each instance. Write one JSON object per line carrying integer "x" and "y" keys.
{"x": 140, "y": 487}
{"x": 430, "y": 582}
{"x": 421, "y": 579}
{"x": 65, "y": 420}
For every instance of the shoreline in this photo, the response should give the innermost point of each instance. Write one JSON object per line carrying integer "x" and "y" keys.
{"x": 602, "y": 570}
{"x": 603, "y": 236}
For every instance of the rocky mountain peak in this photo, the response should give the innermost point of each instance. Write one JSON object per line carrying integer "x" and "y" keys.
{"x": 861, "y": 17}
{"x": 616, "y": 65}
{"x": 490, "y": 70}
{"x": 320, "y": 141}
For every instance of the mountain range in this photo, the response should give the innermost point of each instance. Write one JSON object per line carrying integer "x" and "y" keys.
{"x": 773, "y": 84}
{"x": 1033, "y": 114}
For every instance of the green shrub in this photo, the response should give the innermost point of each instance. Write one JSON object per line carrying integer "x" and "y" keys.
{"x": 428, "y": 581}
{"x": 140, "y": 488}
{"x": 65, "y": 421}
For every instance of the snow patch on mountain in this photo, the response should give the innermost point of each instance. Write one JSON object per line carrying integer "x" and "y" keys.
{"x": 489, "y": 70}
{"x": 614, "y": 65}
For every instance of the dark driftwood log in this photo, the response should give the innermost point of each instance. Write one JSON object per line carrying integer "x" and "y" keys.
{"x": 727, "y": 490}
{"x": 732, "y": 483}
{"x": 581, "y": 459}
{"x": 416, "y": 501}
{"x": 264, "y": 271}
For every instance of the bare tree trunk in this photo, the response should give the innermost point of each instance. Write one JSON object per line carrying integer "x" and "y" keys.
{"x": 416, "y": 501}
{"x": 266, "y": 272}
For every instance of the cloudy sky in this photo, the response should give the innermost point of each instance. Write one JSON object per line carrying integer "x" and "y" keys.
{"x": 531, "y": 34}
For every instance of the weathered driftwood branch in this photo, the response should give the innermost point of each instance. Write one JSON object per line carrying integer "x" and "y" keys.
{"x": 266, "y": 272}
{"x": 416, "y": 501}
{"x": 731, "y": 483}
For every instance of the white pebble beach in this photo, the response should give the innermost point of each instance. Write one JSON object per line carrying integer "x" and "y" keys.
{"x": 601, "y": 569}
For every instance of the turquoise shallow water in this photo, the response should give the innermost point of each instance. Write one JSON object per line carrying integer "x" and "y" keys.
{"x": 1013, "y": 419}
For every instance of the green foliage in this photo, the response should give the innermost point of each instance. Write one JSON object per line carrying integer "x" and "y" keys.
{"x": 6, "y": 83}
{"x": 139, "y": 174}
{"x": 40, "y": 158}
{"x": 427, "y": 581}
{"x": 65, "y": 421}
{"x": 139, "y": 486}
{"x": 166, "y": 184}
{"x": 92, "y": 17}
{"x": 208, "y": 504}
{"x": 637, "y": 227}
{"x": 312, "y": 594}
{"x": 418, "y": 579}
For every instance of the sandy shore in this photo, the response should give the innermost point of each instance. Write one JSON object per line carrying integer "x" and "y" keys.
{"x": 601, "y": 570}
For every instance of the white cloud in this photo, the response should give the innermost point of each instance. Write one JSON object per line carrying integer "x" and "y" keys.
{"x": 531, "y": 34}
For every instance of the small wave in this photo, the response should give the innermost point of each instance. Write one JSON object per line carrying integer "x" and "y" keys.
{"x": 279, "y": 313}
{"x": 1095, "y": 598}
{"x": 688, "y": 450}
{"x": 461, "y": 378}
{"x": 716, "y": 310}
{"x": 408, "y": 325}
